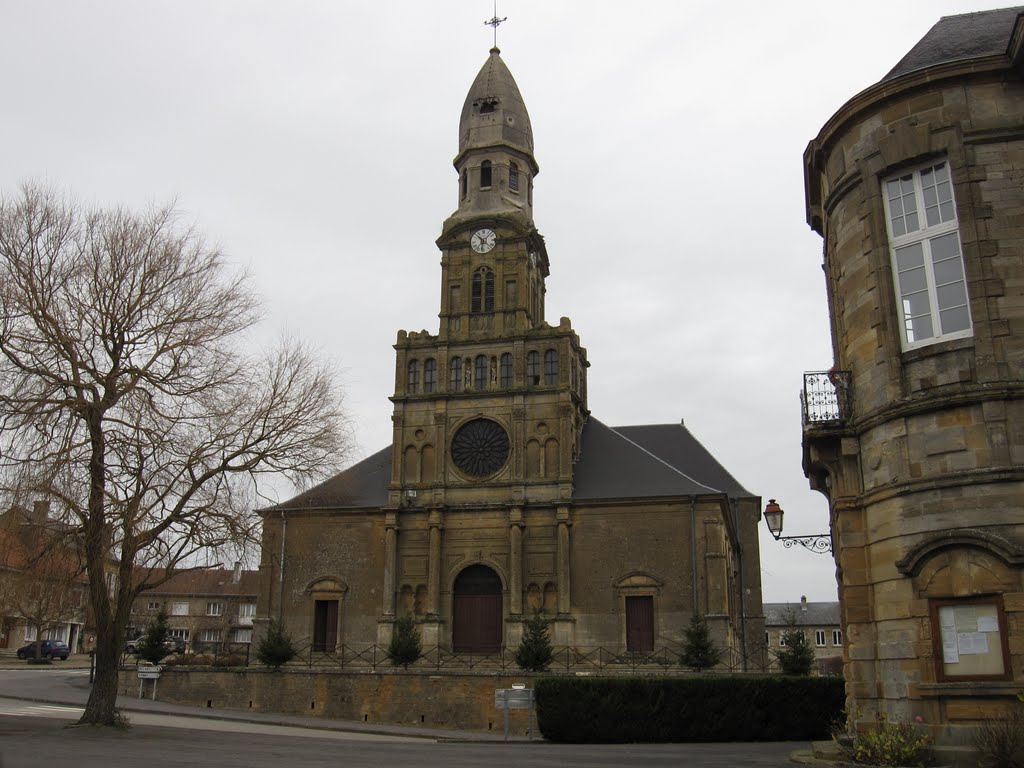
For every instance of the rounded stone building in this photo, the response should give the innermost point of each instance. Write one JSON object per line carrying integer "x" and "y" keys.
{"x": 916, "y": 435}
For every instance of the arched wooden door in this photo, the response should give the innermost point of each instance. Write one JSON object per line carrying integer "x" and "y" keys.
{"x": 476, "y": 611}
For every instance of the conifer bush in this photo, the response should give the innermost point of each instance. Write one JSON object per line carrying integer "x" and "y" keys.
{"x": 276, "y": 647}
{"x": 405, "y": 645}
{"x": 534, "y": 653}
{"x": 699, "y": 651}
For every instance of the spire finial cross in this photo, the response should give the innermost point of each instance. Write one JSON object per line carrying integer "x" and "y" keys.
{"x": 494, "y": 22}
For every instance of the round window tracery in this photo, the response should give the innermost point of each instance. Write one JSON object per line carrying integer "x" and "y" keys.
{"x": 480, "y": 447}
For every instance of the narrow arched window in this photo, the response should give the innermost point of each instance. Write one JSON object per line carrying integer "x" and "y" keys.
{"x": 506, "y": 370}
{"x": 430, "y": 375}
{"x": 551, "y": 366}
{"x": 485, "y": 174}
{"x": 513, "y": 176}
{"x": 480, "y": 372}
{"x": 413, "y": 384}
{"x": 533, "y": 368}
{"x": 465, "y": 183}
{"x": 455, "y": 375}
{"x": 483, "y": 290}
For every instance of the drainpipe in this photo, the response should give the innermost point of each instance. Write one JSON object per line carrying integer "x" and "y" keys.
{"x": 280, "y": 574}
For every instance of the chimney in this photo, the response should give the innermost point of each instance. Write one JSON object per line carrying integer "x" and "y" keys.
{"x": 237, "y": 575}
{"x": 40, "y": 512}
{"x": 803, "y": 602}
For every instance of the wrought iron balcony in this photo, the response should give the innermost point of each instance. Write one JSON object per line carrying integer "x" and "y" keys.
{"x": 826, "y": 398}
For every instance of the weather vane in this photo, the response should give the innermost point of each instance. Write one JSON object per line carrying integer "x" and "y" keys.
{"x": 494, "y": 22}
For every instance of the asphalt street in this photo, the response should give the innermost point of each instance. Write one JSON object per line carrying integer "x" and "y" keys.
{"x": 39, "y": 706}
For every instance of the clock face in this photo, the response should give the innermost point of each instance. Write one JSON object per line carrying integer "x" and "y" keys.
{"x": 480, "y": 447}
{"x": 483, "y": 240}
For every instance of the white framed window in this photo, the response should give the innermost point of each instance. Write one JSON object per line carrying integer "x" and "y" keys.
{"x": 837, "y": 637}
{"x": 31, "y": 632}
{"x": 214, "y": 609}
{"x": 927, "y": 262}
{"x": 179, "y": 632}
{"x": 243, "y": 636}
{"x": 179, "y": 609}
{"x": 210, "y": 636}
{"x": 246, "y": 612}
{"x": 782, "y": 639}
{"x": 153, "y": 605}
{"x": 819, "y": 638}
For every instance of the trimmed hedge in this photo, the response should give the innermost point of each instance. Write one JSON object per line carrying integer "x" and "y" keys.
{"x": 678, "y": 709}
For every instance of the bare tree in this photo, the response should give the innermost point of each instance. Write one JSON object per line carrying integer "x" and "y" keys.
{"x": 127, "y": 398}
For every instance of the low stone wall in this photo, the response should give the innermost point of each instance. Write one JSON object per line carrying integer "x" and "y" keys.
{"x": 459, "y": 700}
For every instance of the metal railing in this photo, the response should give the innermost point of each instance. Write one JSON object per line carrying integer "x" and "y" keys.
{"x": 826, "y": 397}
{"x": 573, "y": 659}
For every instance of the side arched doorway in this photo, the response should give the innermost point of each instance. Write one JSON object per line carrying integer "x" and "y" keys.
{"x": 476, "y": 611}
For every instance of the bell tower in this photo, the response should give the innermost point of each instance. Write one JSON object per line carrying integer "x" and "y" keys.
{"x": 489, "y": 411}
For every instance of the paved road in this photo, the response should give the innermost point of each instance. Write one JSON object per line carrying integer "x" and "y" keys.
{"x": 40, "y": 733}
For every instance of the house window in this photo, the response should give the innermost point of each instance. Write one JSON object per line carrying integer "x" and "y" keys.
{"x": 455, "y": 374}
{"x": 767, "y": 638}
{"x": 819, "y": 638}
{"x": 31, "y": 632}
{"x": 782, "y": 639}
{"x": 179, "y": 632}
{"x": 506, "y": 370}
{"x": 483, "y": 290}
{"x": 485, "y": 174}
{"x": 210, "y": 636}
{"x": 243, "y": 636}
{"x": 513, "y": 177}
{"x": 153, "y": 605}
{"x": 551, "y": 366}
{"x": 837, "y": 637}
{"x": 214, "y": 609}
{"x": 924, "y": 243}
{"x": 533, "y": 367}
{"x": 414, "y": 377}
{"x": 430, "y": 375}
{"x": 480, "y": 372}
{"x": 247, "y": 611}
{"x": 179, "y": 609}
{"x": 970, "y": 639}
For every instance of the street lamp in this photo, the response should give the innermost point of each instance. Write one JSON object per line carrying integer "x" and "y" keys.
{"x": 820, "y": 543}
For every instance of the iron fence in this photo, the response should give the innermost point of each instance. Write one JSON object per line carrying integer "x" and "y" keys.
{"x": 826, "y": 397}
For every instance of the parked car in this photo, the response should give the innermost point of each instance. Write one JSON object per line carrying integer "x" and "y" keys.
{"x": 171, "y": 645}
{"x": 51, "y": 649}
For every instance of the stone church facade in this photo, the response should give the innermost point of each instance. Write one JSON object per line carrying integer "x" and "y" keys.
{"x": 500, "y": 495}
{"x": 916, "y": 186}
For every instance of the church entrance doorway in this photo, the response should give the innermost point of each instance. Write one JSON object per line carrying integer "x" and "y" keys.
{"x": 325, "y": 626}
{"x": 640, "y": 624}
{"x": 476, "y": 611}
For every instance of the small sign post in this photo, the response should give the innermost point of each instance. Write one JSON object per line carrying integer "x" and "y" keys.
{"x": 516, "y": 697}
{"x": 148, "y": 672}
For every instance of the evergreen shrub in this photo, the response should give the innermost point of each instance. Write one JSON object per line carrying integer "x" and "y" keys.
{"x": 696, "y": 709}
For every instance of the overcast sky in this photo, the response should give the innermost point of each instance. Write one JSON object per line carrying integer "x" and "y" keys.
{"x": 314, "y": 142}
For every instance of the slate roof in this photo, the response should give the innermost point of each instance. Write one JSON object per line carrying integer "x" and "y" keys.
{"x": 807, "y": 614}
{"x": 207, "y": 581}
{"x": 956, "y": 38}
{"x": 644, "y": 461}
{"x": 647, "y": 460}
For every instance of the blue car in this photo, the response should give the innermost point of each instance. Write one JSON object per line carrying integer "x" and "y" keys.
{"x": 51, "y": 649}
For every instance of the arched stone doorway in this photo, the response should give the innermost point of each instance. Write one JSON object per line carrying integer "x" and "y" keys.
{"x": 476, "y": 611}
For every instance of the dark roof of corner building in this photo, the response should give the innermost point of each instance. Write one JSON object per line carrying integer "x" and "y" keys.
{"x": 957, "y": 38}
{"x": 207, "y": 581}
{"x": 645, "y": 461}
{"x": 806, "y": 614}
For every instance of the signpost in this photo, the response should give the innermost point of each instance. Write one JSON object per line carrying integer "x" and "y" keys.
{"x": 516, "y": 697}
{"x": 148, "y": 672}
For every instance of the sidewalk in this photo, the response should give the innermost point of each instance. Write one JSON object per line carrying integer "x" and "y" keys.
{"x": 75, "y": 692}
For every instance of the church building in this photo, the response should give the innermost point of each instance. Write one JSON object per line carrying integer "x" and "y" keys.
{"x": 500, "y": 495}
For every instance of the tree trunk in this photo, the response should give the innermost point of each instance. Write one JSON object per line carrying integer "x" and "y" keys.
{"x": 101, "y": 709}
